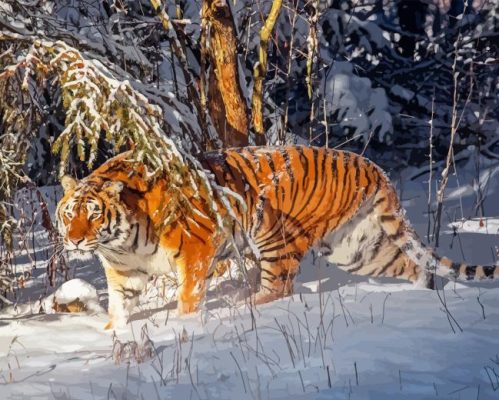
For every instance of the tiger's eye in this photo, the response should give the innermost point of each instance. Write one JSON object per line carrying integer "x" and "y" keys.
{"x": 95, "y": 215}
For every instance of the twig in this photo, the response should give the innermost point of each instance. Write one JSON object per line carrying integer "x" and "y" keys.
{"x": 260, "y": 68}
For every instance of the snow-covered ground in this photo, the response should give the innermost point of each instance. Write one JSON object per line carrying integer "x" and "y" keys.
{"x": 339, "y": 337}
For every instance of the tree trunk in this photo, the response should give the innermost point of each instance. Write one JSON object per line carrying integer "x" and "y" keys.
{"x": 225, "y": 101}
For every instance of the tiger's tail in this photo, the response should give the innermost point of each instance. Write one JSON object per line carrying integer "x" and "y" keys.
{"x": 402, "y": 234}
{"x": 443, "y": 266}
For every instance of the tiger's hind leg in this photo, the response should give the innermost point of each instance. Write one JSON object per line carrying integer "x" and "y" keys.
{"x": 387, "y": 260}
{"x": 426, "y": 280}
{"x": 276, "y": 279}
{"x": 396, "y": 230}
{"x": 362, "y": 247}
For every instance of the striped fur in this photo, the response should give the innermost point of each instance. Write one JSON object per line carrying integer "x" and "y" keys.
{"x": 297, "y": 198}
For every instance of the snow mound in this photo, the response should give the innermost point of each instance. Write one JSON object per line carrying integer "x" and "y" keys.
{"x": 484, "y": 225}
{"x": 356, "y": 104}
{"x": 402, "y": 344}
{"x": 75, "y": 295}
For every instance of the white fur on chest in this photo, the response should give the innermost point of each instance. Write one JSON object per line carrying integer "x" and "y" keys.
{"x": 160, "y": 263}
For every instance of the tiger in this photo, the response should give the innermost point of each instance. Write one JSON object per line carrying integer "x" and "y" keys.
{"x": 296, "y": 198}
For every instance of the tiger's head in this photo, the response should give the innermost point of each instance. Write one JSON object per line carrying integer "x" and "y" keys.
{"x": 91, "y": 217}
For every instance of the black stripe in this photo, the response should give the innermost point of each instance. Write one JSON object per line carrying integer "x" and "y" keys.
{"x": 136, "y": 192}
{"x": 276, "y": 227}
{"x": 249, "y": 197}
{"x": 400, "y": 232}
{"x": 379, "y": 201}
{"x": 288, "y": 238}
{"x": 156, "y": 245}
{"x": 295, "y": 187}
{"x": 304, "y": 163}
{"x": 147, "y": 230}
{"x": 248, "y": 165}
{"x": 229, "y": 169}
{"x": 217, "y": 167}
{"x": 489, "y": 271}
{"x": 201, "y": 225}
{"x": 268, "y": 272}
{"x": 312, "y": 192}
{"x": 287, "y": 275}
{"x": 376, "y": 249}
{"x": 398, "y": 253}
{"x": 177, "y": 254}
{"x": 343, "y": 203}
{"x": 294, "y": 255}
{"x": 235, "y": 174}
{"x": 470, "y": 271}
{"x": 368, "y": 179}
{"x": 136, "y": 238}
{"x": 334, "y": 183}
{"x": 455, "y": 267}
{"x": 118, "y": 219}
{"x": 248, "y": 193}
{"x": 107, "y": 229}
{"x": 275, "y": 179}
{"x": 311, "y": 220}
{"x": 197, "y": 237}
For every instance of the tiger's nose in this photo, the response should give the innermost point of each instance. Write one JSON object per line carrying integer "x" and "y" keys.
{"x": 77, "y": 241}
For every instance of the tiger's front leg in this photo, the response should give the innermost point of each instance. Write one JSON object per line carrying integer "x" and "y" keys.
{"x": 193, "y": 264}
{"x": 192, "y": 285}
{"x": 124, "y": 288}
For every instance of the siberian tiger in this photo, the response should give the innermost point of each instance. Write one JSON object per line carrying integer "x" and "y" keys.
{"x": 296, "y": 198}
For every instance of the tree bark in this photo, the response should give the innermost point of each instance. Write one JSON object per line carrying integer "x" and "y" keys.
{"x": 225, "y": 101}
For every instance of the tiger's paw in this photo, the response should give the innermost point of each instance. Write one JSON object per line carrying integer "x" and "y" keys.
{"x": 186, "y": 307}
{"x": 267, "y": 297}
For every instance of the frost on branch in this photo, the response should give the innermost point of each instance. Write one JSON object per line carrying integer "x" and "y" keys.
{"x": 97, "y": 105}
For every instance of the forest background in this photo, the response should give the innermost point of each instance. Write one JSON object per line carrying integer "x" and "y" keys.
{"x": 406, "y": 83}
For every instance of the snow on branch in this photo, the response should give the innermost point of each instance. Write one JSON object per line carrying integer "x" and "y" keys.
{"x": 97, "y": 102}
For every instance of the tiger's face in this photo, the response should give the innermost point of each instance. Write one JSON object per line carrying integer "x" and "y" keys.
{"x": 91, "y": 218}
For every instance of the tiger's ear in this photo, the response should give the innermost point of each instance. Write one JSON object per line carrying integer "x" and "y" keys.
{"x": 113, "y": 188}
{"x": 68, "y": 183}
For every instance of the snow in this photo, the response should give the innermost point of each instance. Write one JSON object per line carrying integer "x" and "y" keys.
{"x": 74, "y": 290}
{"x": 339, "y": 337}
{"x": 374, "y": 344}
{"x": 477, "y": 225}
{"x": 357, "y": 104}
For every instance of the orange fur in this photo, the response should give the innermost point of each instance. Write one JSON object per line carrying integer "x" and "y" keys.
{"x": 296, "y": 197}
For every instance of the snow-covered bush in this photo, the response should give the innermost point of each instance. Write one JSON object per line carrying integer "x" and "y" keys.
{"x": 354, "y": 105}
{"x": 75, "y": 295}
